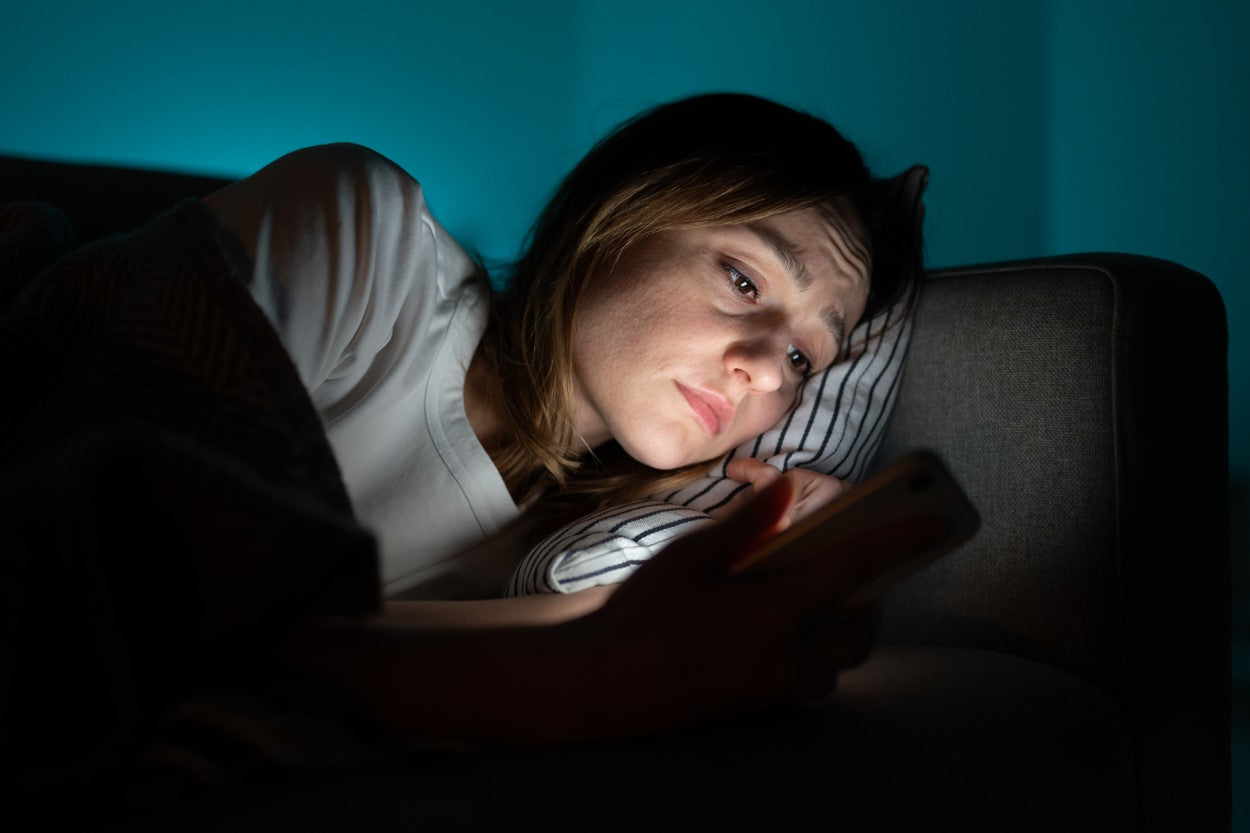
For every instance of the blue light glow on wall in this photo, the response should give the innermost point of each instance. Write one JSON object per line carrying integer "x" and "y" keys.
{"x": 1049, "y": 125}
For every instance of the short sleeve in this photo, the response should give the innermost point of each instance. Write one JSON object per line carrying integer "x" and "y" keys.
{"x": 333, "y": 238}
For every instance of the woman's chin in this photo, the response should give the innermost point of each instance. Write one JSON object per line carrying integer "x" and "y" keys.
{"x": 666, "y": 456}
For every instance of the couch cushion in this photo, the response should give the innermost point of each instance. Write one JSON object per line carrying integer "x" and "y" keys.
{"x": 1010, "y": 376}
{"x": 1070, "y": 395}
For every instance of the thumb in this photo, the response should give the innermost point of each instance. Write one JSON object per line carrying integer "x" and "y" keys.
{"x": 756, "y": 472}
{"x": 758, "y": 520}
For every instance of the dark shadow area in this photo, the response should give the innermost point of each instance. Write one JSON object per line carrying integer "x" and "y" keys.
{"x": 1239, "y": 510}
{"x": 99, "y": 199}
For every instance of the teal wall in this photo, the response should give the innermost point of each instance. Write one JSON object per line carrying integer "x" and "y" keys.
{"x": 1149, "y": 119}
{"x": 1049, "y": 125}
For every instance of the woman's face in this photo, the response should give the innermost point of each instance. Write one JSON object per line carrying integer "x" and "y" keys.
{"x": 699, "y": 338}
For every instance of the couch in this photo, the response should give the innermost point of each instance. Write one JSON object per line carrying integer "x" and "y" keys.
{"x": 1068, "y": 669}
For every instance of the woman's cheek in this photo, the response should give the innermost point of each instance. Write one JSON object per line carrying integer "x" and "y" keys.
{"x": 763, "y": 417}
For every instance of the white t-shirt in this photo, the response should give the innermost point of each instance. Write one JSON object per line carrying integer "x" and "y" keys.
{"x": 381, "y": 311}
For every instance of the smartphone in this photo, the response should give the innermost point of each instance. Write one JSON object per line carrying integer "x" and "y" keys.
{"x": 894, "y": 523}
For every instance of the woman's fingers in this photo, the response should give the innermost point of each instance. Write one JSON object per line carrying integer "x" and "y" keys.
{"x": 710, "y": 551}
{"x": 744, "y": 495}
{"x": 754, "y": 522}
{"x": 759, "y": 475}
{"x": 756, "y": 472}
{"x": 726, "y": 644}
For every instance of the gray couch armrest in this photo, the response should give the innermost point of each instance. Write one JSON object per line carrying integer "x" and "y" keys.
{"x": 1082, "y": 401}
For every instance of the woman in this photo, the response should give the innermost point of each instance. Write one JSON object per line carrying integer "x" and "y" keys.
{"x": 175, "y": 522}
{"x": 689, "y": 273}
{"x": 692, "y": 270}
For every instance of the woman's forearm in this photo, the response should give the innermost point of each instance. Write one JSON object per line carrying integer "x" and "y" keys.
{"x": 679, "y": 642}
{"x": 520, "y": 685}
{"x": 542, "y": 609}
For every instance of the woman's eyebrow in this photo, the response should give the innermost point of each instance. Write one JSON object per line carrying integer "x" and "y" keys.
{"x": 788, "y": 253}
{"x": 785, "y": 251}
{"x": 837, "y": 326}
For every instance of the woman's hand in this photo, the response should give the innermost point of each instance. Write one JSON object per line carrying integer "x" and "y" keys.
{"x": 680, "y": 641}
{"x": 814, "y": 489}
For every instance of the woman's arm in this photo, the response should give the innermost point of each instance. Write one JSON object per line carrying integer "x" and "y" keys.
{"x": 679, "y": 642}
{"x": 544, "y": 609}
{"x": 335, "y": 242}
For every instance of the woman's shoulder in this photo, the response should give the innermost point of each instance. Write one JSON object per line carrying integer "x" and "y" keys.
{"x": 345, "y": 156}
{"x": 345, "y": 167}
{"x": 339, "y": 245}
{"x": 341, "y": 191}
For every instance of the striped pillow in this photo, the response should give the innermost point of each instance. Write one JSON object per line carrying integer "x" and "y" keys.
{"x": 835, "y": 429}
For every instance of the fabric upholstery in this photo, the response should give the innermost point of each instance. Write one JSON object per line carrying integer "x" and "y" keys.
{"x": 1082, "y": 401}
{"x": 32, "y": 236}
{"x": 156, "y": 446}
{"x": 1025, "y": 425}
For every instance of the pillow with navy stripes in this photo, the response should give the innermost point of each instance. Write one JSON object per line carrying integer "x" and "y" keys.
{"x": 835, "y": 429}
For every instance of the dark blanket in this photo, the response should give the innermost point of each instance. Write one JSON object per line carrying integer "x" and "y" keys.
{"x": 167, "y": 499}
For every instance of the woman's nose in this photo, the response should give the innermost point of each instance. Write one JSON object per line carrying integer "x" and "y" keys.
{"x": 756, "y": 364}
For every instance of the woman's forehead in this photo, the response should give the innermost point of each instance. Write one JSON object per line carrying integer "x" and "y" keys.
{"x": 825, "y": 242}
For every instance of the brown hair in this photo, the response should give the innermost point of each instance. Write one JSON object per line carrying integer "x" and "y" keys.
{"x": 709, "y": 160}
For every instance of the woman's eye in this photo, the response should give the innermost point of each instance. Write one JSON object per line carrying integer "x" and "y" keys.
{"x": 741, "y": 283}
{"x": 799, "y": 363}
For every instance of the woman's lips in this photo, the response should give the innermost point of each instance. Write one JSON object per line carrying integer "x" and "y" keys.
{"x": 712, "y": 410}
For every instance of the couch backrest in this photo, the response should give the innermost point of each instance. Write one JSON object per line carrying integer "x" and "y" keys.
{"x": 99, "y": 199}
{"x": 1082, "y": 403}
